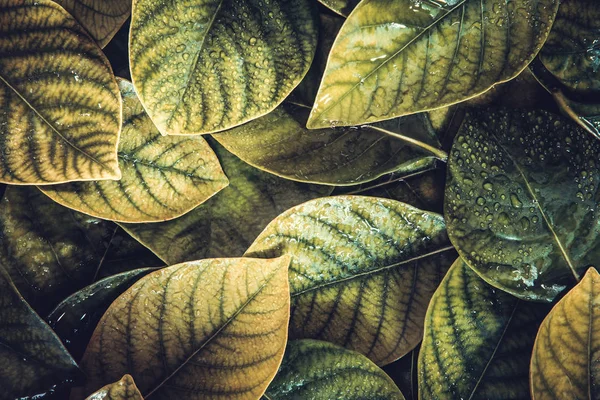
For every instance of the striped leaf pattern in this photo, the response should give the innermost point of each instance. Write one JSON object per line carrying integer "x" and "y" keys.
{"x": 312, "y": 369}
{"x": 163, "y": 176}
{"x": 399, "y": 57}
{"x": 124, "y": 389}
{"x": 566, "y": 354}
{"x": 60, "y": 109}
{"x": 210, "y": 329}
{"x": 363, "y": 270}
{"x": 205, "y": 66}
{"x": 477, "y": 341}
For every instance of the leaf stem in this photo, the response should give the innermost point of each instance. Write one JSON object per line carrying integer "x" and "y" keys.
{"x": 438, "y": 153}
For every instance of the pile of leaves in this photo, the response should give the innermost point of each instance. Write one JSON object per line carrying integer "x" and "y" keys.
{"x": 282, "y": 199}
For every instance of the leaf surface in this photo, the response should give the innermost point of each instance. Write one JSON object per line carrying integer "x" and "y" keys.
{"x": 124, "y": 389}
{"x": 342, "y": 7}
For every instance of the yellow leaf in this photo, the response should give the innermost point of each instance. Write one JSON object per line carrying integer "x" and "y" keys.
{"x": 124, "y": 389}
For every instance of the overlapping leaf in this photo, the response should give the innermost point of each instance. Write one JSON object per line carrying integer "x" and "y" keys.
{"x": 565, "y": 357}
{"x": 395, "y": 58}
{"x": 477, "y": 339}
{"x": 521, "y": 200}
{"x": 342, "y": 7}
{"x": 363, "y": 270}
{"x": 124, "y": 389}
{"x": 163, "y": 176}
{"x": 202, "y": 67}
{"x": 211, "y": 329}
{"x": 227, "y": 224}
{"x": 313, "y": 369}
{"x": 60, "y": 107}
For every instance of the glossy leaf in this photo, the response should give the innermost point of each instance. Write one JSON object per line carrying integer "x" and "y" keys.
{"x": 75, "y": 318}
{"x": 33, "y": 361}
{"x": 163, "y": 176}
{"x": 565, "y": 357}
{"x": 363, "y": 270}
{"x": 202, "y": 67}
{"x": 399, "y": 57}
{"x": 124, "y": 389}
{"x": 342, "y": 7}
{"x": 210, "y": 329}
{"x": 278, "y": 143}
{"x": 521, "y": 200}
{"x": 477, "y": 341}
{"x": 60, "y": 107}
{"x": 102, "y": 19}
{"x": 313, "y": 369}
{"x": 228, "y": 223}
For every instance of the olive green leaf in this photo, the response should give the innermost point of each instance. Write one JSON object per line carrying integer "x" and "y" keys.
{"x": 278, "y": 143}
{"x": 521, "y": 200}
{"x": 477, "y": 341}
{"x": 102, "y": 19}
{"x": 202, "y": 67}
{"x": 399, "y": 57}
{"x": 565, "y": 357}
{"x": 163, "y": 176}
{"x": 342, "y": 7}
{"x": 124, "y": 389}
{"x": 363, "y": 270}
{"x": 210, "y": 329}
{"x": 32, "y": 359}
{"x": 312, "y": 369}
{"x": 76, "y": 317}
{"x": 228, "y": 223}
{"x": 404, "y": 373}
{"x": 60, "y": 109}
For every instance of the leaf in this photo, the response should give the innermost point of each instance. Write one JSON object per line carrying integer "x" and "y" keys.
{"x": 477, "y": 340}
{"x": 312, "y": 369}
{"x": 228, "y": 223}
{"x": 202, "y": 67}
{"x": 342, "y": 7}
{"x": 163, "y": 177}
{"x": 32, "y": 359}
{"x": 520, "y": 201}
{"x": 399, "y": 57}
{"x": 565, "y": 355}
{"x": 60, "y": 108}
{"x": 278, "y": 143}
{"x": 206, "y": 329}
{"x": 76, "y": 317}
{"x": 363, "y": 270}
{"x": 124, "y": 389}
{"x": 102, "y": 19}
{"x": 404, "y": 373}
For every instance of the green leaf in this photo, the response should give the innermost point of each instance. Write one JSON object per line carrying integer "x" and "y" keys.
{"x": 210, "y": 329}
{"x": 60, "y": 109}
{"x": 521, "y": 200}
{"x": 312, "y": 369}
{"x": 565, "y": 357}
{"x": 33, "y": 361}
{"x": 342, "y": 7}
{"x": 477, "y": 341}
{"x": 202, "y": 67}
{"x": 278, "y": 143}
{"x": 164, "y": 177}
{"x": 404, "y": 373}
{"x": 399, "y": 57}
{"x": 75, "y": 318}
{"x": 227, "y": 224}
{"x": 124, "y": 389}
{"x": 363, "y": 270}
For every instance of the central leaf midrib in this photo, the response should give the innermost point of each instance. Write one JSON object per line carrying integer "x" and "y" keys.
{"x": 127, "y": 159}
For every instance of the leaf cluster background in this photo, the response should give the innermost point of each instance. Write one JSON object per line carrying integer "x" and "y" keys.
{"x": 292, "y": 199}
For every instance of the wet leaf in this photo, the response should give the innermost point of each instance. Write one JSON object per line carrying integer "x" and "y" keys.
{"x": 228, "y": 223}
{"x": 163, "y": 176}
{"x": 399, "y": 57}
{"x": 102, "y": 19}
{"x": 363, "y": 270}
{"x": 210, "y": 329}
{"x": 33, "y": 361}
{"x": 76, "y": 317}
{"x": 521, "y": 200}
{"x": 202, "y": 67}
{"x": 565, "y": 355}
{"x": 124, "y": 389}
{"x": 312, "y": 369}
{"x": 477, "y": 340}
{"x": 60, "y": 107}
{"x": 278, "y": 143}
{"x": 342, "y": 7}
